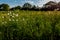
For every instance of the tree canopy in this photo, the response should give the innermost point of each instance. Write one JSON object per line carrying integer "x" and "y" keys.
{"x": 27, "y": 6}
{"x": 4, "y": 7}
{"x": 49, "y": 6}
{"x": 16, "y": 8}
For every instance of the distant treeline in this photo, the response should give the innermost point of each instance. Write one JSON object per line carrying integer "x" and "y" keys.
{"x": 49, "y": 6}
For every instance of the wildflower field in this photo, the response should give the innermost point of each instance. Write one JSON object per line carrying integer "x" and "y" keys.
{"x": 29, "y": 25}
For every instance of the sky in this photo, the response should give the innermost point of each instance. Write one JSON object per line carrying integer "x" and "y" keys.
{"x": 14, "y": 3}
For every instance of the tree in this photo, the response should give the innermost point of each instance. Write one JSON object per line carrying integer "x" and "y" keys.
{"x": 27, "y": 6}
{"x": 4, "y": 7}
{"x": 16, "y": 8}
{"x": 50, "y": 5}
{"x": 34, "y": 7}
{"x": 58, "y": 6}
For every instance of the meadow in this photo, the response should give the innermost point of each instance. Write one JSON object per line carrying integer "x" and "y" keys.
{"x": 29, "y": 25}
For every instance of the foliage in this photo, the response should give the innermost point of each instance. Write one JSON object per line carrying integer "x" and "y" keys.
{"x": 27, "y": 5}
{"x": 49, "y": 6}
{"x": 31, "y": 25}
{"x": 4, "y": 7}
{"x": 16, "y": 8}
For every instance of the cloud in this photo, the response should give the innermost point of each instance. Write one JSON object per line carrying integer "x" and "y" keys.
{"x": 21, "y": 2}
{"x": 36, "y": 2}
{"x": 31, "y": 2}
{"x": 42, "y": 2}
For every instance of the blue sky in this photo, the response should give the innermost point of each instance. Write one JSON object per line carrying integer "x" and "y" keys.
{"x": 13, "y": 3}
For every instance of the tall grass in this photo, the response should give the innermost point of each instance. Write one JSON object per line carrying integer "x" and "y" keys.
{"x": 30, "y": 25}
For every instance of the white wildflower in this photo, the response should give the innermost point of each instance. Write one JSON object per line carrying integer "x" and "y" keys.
{"x": 8, "y": 13}
{"x": 16, "y": 15}
{"x": 16, "y": 19}
{"x": 13, "y": 13}
{"x": 2, "y": 16}
{"x": 13, "y": 16}
{"x": 23, "y": 19}
{"x": 9, "y": 19}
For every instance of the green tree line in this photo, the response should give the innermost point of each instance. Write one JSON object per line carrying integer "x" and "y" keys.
{"x": 51, "y": 5}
